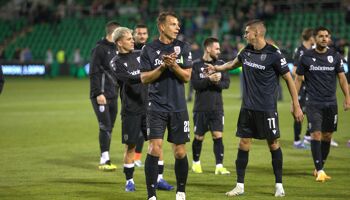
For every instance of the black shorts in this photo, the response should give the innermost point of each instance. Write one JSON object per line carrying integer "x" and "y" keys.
{"x": 132, "y": 126}
{"x": 258, "y": 124}
{"x": 177, "y": 123}
{"x": 322, "y": 118}
{"x": 208, "y": 121}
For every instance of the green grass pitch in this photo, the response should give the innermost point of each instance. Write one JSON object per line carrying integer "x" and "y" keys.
{"x": 49, "y": 150}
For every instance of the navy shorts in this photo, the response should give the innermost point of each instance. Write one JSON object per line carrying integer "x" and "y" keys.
{"x": 258, "y": 124}
{"x": 208, "y": 121}
{"x": 177, "y": 124}
{"x": 132, "y": 126}
{"x": 322, "y": 118}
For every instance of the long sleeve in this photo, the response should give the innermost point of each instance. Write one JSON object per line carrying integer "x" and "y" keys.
{"x": 197, "y": 82}
{"x": 224, "y": 83}
{"x": 96, "y": 73}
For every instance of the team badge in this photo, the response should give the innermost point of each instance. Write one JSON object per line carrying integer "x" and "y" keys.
{"x": 138, "y": 59}
{"x": 126, "y": 137}
{"x": 263, "y": 57}
{"x": 177, "y": 49}
{"x": 314, "y": 59}
{"x": 158, "y": 52}
{"x": 330, "y": 59}
{"x": 126, "y": 64}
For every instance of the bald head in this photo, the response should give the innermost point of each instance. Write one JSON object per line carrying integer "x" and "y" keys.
{"x": 258, "y": 26}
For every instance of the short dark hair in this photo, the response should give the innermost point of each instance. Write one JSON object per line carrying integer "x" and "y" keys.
{"x": 255, "y": 22}
{"x": 321, "y": 28}
{"x": 111, "y": 26}
{"x": 307, "y": 34}
{"x": 162, "y": 17}
{"x": 140, "y": 26}
{"x": 209, "y": 41}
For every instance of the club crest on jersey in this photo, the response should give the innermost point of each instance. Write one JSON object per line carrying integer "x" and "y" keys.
{"x": 314, "y": 59}
{"x": 126, "y": 64}
{"x": 138, "y": 59}
{"x": 263, "y": 57}
{"x": 158, "y": 52}
{"x": 330, "y": 59}
{"x": 177, "y": 49}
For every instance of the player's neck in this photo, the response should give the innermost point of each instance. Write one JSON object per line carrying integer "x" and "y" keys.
{"x": 165, "y": 40}
{"x": 207, "y": 57}
{"x": 109, "y": 38}
{"x": 259, "y": 44}
{"x": 320, "y": 49}
{"x": 123, "y": 51}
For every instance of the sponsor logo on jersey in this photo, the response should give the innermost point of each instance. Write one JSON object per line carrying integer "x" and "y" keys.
{"x": 136, "y": 72}
{"x": 321, "y": 68}
{"x": 254, "y": 65}
{"x": 158, "y": 62}
{"x": 177, "y": 49}
{"x": 330, "y": 59}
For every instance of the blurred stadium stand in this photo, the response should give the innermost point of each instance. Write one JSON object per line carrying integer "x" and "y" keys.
{"x": 71, "y": 24}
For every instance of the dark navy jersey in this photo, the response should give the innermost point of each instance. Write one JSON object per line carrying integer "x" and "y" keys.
{"x": 261, "y": 70}
{"x": 167, "y": 93}
{"x": 133, "y": 93}
{"x": 208, "y": 94}
{"x": 320, "y": 71}
{"x": 296, "y": 58}
{"x": 101, "y": 81}
{"x": 298, "y": 53}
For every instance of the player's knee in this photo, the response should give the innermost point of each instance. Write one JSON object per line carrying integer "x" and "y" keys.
{"x": 217, "y": 135}
{"x": 273, "y": 145}
{"x": 104, "y": 128}
{"x": 327, "y": 136}
{"x": 154, "y": 149}
{"x": 316, "y": 135}
{"x": 179, "y": 151}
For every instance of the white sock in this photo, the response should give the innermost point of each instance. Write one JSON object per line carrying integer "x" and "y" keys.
{"x": 131, "y": 165}
{"x": 297, "y": 142}
{"x": 279, "y": 185}
{"x": 104, "y": 157}
{"x": 241, "y": 185}
{"x": 132, "y": 180}
{"x": 219, "y": 165}
{"x": 160, "y": 176}
{"x": 197, "y": 162}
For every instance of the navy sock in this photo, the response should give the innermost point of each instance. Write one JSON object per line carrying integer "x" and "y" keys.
{"x": 105, "y": 140}
{"x": 325, "y": 147}
{"x": 181, "y": 172}
{"x": 129, "y": 173}
{"x": 196, "y": 149}
{"x": 241, "y": 164}
{"x": 218, "y": 150}
{"x": 151, "y": 173}
{"x": 277, "y": 164}
{"x": 316, "y": 154}
{"x": 160, "y": 169}
{"x": 297, "y": 130}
